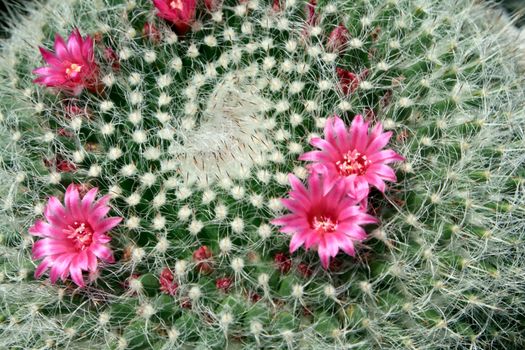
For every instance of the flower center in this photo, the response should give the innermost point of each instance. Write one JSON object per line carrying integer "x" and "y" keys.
{"x": 176, "y": 5}
{"x": 81, "y": 234}
{"x": 73, "y": 70}
{"x": 352, "y": 163}
{"x": 323, "y": 224}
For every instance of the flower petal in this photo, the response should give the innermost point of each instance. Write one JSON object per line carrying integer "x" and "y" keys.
{"x": 102, "y": 252}
{"x": 43, "y": 266}
{"x": 105, "y": 225}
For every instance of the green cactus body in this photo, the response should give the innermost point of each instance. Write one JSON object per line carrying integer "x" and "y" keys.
{"x": 193, "y": 136}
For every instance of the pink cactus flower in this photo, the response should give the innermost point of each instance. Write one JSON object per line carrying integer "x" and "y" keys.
{"x": 73, "y": 236}
{"x": 179, "y": 12}
{"x": 72, "y": 67}
{"x": 323, "y": 220}
{"x": 338, "y": 39}
{"x": 354, "y": 155}
{"x": 168, "y": 285}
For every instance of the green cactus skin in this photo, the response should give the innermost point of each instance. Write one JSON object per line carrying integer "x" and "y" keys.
{"x": 194, "y": 137}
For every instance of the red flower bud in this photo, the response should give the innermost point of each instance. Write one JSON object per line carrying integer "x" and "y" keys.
{"x": 60, "y": 164}
{"x": 311, "y": 18}
{"x": 212, "y": 5}
{"x": 277, "y": 7}
{"x": 223, "y": 283}
{"x": 64, "y": 132}
{"x": 348, "y": 81}
{"x": 338, "y": 39}
{"x": 167, "y": 283}
{"x": 283, "y": 262}
{"x": 304, "y": 270}
{"x": 84, "y": 188}
{"x": 202, "y": 257}
{"x": 151, "y": 32}
{"x": 111, "y": 56}
{"x": 254, "y": 297}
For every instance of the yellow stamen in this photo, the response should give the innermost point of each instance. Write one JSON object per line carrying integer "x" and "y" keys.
{"x": 176, "y": 5}
{"x": 74, "y": 68}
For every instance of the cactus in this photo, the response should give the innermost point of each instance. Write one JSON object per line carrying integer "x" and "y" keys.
{"x": 194, "y": 134}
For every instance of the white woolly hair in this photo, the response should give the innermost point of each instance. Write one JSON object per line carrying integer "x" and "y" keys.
{"x": 229, "y": 139}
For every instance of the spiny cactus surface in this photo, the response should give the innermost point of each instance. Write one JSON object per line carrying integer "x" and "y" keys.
{"x": 193, "y": 136}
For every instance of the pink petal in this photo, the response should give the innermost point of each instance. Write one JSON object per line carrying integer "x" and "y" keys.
{"x": 61, "y": 49}
{"x": 299, "y": 192}
{"x": 76, "y": 271}
{"x": 312, "y": 239}
{"x": 317, "y": 156}
{"x": 102, "y": 238}
{"x": 326, "y": 146}
{"x": 48, "y": 246}
{"x": 349, "y": 212}
{"x": 43, "y": 229}
{"x": 383, "y": 171}
{"x": 106, "y": 224}
{"x": 359, "y": 134}
{"x": 49, "y": 57}
{"x": 295, "y": 205}
{"x": 385, "y": 156}
{"x": 88, "y": 199}
{"x": 44, "y": 265}
{"x": 324, "y": 255}
{"x": 375, "y": 181}
{"x": 378, "y": 142}
{"x": 102, "y": 202}
{"x": 315, "y": 187}
{"x": 352, "y": 230}
{"x": 297, "y": 241}
{"x": 45, "y": 71}
{"x": 74, "y": 45}
{"x": 357, "y": 187}
{"x": 92, "y": 260}
{"x": 331, "y": 244}
{"x": 72, "y": 201}
{"x": 87, "y": 49}
{"x": 335, "y": 133}
{"x": 55, "y": 213}
{"x": 102, "y": 252}
{"x": 347, "y": 246}
{"x": 60, "y": 267}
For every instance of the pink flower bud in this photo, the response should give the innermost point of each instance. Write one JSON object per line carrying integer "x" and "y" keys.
{"x": 112, "y": 58}
{"x": 151, "y": 32}
{"x": 223, "y": 283}
{"x": 212, "y": 5}
{"x": 304, "y": 270}
{"x": 338, "y": 39}
{"x": 202, "y": 257}
{"x": 348, "y": 81}
{"x": 167, "y": 283}
{"x": 283, "y": 262}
